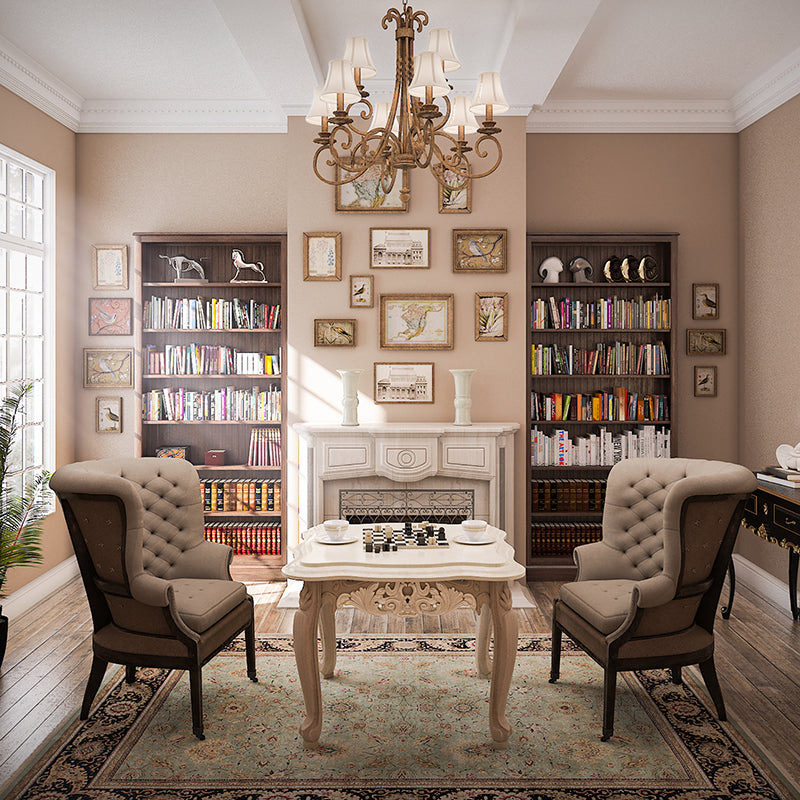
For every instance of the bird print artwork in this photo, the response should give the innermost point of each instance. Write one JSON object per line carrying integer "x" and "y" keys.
{"x": 479, "y": 251}
{"x": 705, "y": 301}
{"x": 110, "y": 316}
{"x": 108, "y": 368}
{"x": 109, "y": 415}
{"x": 334, "y": 332}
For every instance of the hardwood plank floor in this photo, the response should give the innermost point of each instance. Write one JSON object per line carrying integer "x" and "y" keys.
{"x": 49, "y": 651}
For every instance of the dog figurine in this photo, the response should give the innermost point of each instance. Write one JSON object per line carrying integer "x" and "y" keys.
{"x": 240, "y": 264}
{"x": 183, "y": 264}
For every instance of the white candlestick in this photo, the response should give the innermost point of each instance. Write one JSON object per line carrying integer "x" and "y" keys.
{"x": 463, "y": 401}
{"x": 349, "y": 395}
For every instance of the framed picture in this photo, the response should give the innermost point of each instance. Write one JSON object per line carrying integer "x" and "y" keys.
{"x": 491, "y": 316}
{"x": 456, "y": 196}
{"x": 334, "y": 332}
{"x": 110, "y": 316}
{"x": 403, "y": 382}
{"x": 361, "y": 291}
{"x": 705, "y": 341}
{"x": 110, "y": 266}
{"x": 108, "y": 415}
{"x": 107, "y": 367}
{"x": 416, "y": 321}
{"x": 399, "y": 248}
{"x": 705, "y": 381}
{"x": 705, "y": 297}
{"x": 322, "y": 256}
{"x": 480, "y": 250}
{"x": 366, "y": 194}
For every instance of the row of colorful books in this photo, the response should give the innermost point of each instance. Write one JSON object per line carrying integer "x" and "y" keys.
{"x": 568, "y": 494}
{"x": 265, "y": 448}
{"x": 603, "y": 449}
{"x": 613, "y": 358}
{"x": 561, "y": 538}
{"x": 206, "y": 359}
{"x": 246, "y": 538}
{"x": 217, "y": 313}
{"x": 604, "y": 313}
{"x": 613, "y": 405}
{"x": 228, "y": 403}
{"x": 230, "y": 494}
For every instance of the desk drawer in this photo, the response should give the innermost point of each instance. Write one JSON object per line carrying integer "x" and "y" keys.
{"x": 786, "y": 519}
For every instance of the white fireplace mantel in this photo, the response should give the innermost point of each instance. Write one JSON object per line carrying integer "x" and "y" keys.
{"x": 410, "y": 453}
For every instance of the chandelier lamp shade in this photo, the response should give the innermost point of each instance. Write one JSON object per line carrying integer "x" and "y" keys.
{"x": 423, "y": 125}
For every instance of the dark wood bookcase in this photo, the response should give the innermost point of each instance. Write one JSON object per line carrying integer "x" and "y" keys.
{"x": 564, "y": 501}
{"x": 226, "y": 407}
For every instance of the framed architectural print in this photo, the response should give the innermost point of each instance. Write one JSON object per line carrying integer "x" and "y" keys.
{"x": 403, "y": 382}
{"x": 366, "y": 193}
{"x": 705, "y": 342}
{"x": 476, "y": 250}
{"x": 491, "y": 316}
{"x": 705, "y": 381}
{"x": 334, "y": 332}
{"x": 361, "y": 291}
{"x": 108, "y": 415}
{"x": 416, "y": 321}
{"x": 455, "y": 197}
{"x": 399, "y": 248}
{"x": 107, "y": 367}
{"x": 322, "y": 256}
{"x": 110, "y": 316}
{"x": 110, "y": 266}
{"x": 705, "y": 299}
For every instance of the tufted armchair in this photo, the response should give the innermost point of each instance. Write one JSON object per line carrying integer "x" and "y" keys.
{"x": 645, "y": 596}
{"x": 160, "y": 595}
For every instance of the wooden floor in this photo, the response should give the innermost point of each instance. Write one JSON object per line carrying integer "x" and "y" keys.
{"x": 49, "y": 653}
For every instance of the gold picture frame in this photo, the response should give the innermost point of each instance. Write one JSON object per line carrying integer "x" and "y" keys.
{"x": 362, "y": 291}
{"x": 334, "y": 333}
{"x": 399, "y": 248}
{"x": 456, "y": 198}
{"x": 403, "y": 382}
{"x": 322, "y": 256}
{"x": 108, "y": 415}
{"x": 365, "y": 194}
{"x": 480, "y": 250}
{"x": 109, "y": 266}
{"x": 107, "y": 366}
{"x": 491, "y": 316}
{"x": 416, "y": 321}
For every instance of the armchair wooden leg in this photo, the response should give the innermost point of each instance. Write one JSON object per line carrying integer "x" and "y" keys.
{"x": 609, "y": 700}
{"x": 677, "y": 675}
{"x": 555, "y": 649}
{"x": 130, "y": 673}
{"x": 93, "y": 684}
{"x": 196, "y": 693}
{"x": 709, "y": 673}
{"x": 250, "y": 651}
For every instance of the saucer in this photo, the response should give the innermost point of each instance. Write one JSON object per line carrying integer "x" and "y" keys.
{"x": 348, "y": 538}
{"x": 463, "y": 539}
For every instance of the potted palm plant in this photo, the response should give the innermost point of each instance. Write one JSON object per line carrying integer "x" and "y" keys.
{"x": 21, "y": 510}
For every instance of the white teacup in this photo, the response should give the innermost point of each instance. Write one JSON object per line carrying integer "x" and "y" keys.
{"x": 335, "y": 528}
{"x": 474, "y": 529}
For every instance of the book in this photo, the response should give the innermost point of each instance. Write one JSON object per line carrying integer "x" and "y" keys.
{"x": 786, "y": 474}
{"x": 762, "y": 476}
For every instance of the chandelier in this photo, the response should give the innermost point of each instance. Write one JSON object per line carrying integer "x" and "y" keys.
{"x": 411, "y": 130}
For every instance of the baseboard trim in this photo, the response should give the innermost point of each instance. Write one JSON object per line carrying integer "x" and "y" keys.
{"x": 34, "y": 592}
{"x": 763, "y": 583}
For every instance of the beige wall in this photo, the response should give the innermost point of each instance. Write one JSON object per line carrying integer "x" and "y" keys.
{"x": 498, "y": 387}
{"x": 769, "y": 370}
{"x": 30, "y": 132}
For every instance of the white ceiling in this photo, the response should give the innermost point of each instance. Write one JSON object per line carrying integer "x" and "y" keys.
{"x": 245, "y": 65}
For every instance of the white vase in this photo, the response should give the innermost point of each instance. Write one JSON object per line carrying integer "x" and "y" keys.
{"x": 349, "y": 395}
{"x": 463, "y": 401}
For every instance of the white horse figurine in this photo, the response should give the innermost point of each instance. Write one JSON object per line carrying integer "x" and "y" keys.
{"x": 240, "y": 264}
{"x": 183, "y": 264}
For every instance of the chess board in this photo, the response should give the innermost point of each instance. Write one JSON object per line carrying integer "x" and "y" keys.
{"x": 376, "y": 536}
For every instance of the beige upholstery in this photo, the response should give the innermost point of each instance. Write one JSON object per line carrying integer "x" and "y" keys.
{"x": 160, "y": 594}
{"x": 646, "y": 595}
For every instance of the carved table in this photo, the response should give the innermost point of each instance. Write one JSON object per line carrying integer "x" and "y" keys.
{"x": 409, "y": 582}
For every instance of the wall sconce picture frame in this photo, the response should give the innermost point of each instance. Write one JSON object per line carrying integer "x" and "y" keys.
{"x": 456, "y": 197}
{"x": 109, "y": 266}
{"x": 416, "y": 321}
{"x": 480, "y": 250}
{"x": 705, "y": 342}
{"x": 110, "y": 316}
{"x": 322, "y": 256}
{"x": 403, "y": 382}
{"x": 334, "y": 333}
{"x": 108, "y": 415}
{"x": 105, "y": 366}
{"x": 399, "y": 248}
{"x": 491, "y": 316}
{"x": 705, "y": 301}
{"x": 365, "y": 193}
{"x": 361, "y": 291}
{"x": 705, "y": 381}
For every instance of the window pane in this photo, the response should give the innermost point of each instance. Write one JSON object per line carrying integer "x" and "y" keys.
{"x": 2, "y": 176}
{"x": 33, "y": 404}
{"x": 33, "y": 314}
{"x": 15, "y": 483}
{"x": 35, "y": 274}
{"x": 32, "y": 435}
{"x": 15, "y": 174}
{"x": 16, "y": 270}
{"x": 33, "y": 359}
{"x": 14, "y": 359}
{"x": 3, "y": 224}
{"x": 16, "y": 219}
{"x": 3, "y": 310}
{"x": 15, "y": 456}
{"x": 33, "y": 189}
{"x": 16, "y": 313}
{"x": 33, "y": 224}
{"x": 2, "y": 266}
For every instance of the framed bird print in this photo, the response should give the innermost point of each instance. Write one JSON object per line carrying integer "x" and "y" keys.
{"x": 705, "y": 300}
{"x": 107, "y": 367}
{"x": 705, "y": 342}
{"x": 108, "y": 415}
{"x": 110, "y": 316}
{"x": 477, "y": 250}
{"x": 705, "y": 381}
{"x": 361, "y": 291}
{"x": 334, "y": 333}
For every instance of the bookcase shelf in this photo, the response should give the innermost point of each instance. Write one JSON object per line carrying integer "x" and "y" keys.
{"x": 257, "y": 537}
{"x": 582, "y": 309}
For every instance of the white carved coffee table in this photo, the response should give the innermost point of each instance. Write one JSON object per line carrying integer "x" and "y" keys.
{"x": 409, "y": 582}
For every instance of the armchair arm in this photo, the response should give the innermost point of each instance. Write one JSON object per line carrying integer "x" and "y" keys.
{"x": 599, "y": 561}
{"x": 204, "y": 560}
{"x": 654, "y": 591}
{"x": 150, "y": 590}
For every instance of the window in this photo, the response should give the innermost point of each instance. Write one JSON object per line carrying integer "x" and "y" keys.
{"x": 27, "y": 315}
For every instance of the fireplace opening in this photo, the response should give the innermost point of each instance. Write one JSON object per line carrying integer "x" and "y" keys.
{"x": 439, "y": 506}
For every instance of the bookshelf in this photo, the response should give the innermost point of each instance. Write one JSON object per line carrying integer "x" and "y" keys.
{"x": 601, "y": 381}
{"x": 212, "y": 379}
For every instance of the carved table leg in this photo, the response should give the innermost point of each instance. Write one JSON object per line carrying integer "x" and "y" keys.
{"x": 327, "y": 629}
{"x": 306, "y": 621}
{"x": 505, "y": 654}
{"x": 483, "y": 661}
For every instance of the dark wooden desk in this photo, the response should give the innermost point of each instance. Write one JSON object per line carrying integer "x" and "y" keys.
{"x": 773, "y": 513}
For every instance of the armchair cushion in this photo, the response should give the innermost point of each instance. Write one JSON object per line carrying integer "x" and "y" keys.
{"x": 202, "y": 603}
{"x": 604, "y": 604}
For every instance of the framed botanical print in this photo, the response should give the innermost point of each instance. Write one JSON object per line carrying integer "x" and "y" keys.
{"x": 477, "y": 250}
{"x": 455, "y": 196}
{"x": 110, "y": 316}
{"x": 334, "y": 332}
{"x": 109, "y": 266}
{"x": 105, "y": 366}
{"x": 705, "y": 381}
{"x": 366, "y": 192}
{"x": 108, "y": 415}
{"x": 361, "y": 291}
{"x": 705, "y": 341}
{"x": 403, "y": 382}
{"x": 322, "y": 256}
{"x": 705, "y": 300}
{"x": 416, "y": 321}
{"x": 491, "y": 316}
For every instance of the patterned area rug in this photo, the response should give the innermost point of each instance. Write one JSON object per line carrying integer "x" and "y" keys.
{"x": 403, "y": 717}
